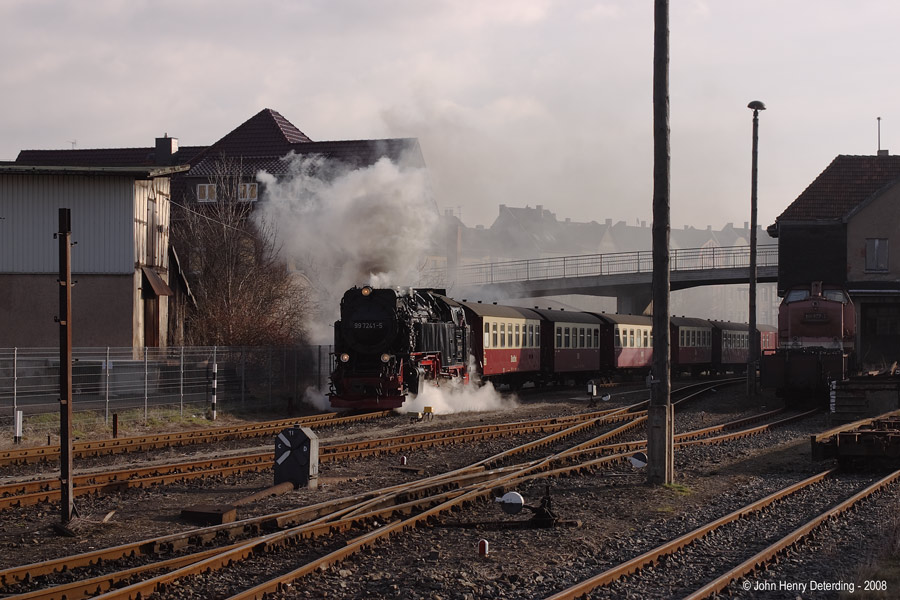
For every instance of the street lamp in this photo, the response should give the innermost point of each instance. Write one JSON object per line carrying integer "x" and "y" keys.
{"x": 753, "y": 344}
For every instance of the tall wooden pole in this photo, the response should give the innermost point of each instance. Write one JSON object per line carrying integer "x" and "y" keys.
{"x": 65, "y": 364}
{"x": 660, "y": 420}
{"x": 753, "y": 345}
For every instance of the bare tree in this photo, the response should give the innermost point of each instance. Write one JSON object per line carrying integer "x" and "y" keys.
{"x": 246, "y": 295}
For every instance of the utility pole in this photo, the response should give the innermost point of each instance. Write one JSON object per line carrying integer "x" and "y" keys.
{"x": 753, "y": 342}
{"x": 65, "y": 364}
{"x": 660, "y": 418}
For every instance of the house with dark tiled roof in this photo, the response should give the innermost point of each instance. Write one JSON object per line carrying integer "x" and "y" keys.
{"x": 262, "y": 143}
{"x": 845, "y": 229}
{"x": 265, "y": 142}
{"x": 269, "y": 142}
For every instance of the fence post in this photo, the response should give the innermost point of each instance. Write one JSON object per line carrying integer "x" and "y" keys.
{"x": 15, "y": 380}
{"x": 106, "y": 368}
{"x": 146, "y": 377}
{"x": 181, "y": 382}
{"x": 243, "y": 373}
{"x": 213, "y": 399}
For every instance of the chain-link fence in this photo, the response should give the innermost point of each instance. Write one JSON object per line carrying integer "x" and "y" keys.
{"x": 145, "y": 383}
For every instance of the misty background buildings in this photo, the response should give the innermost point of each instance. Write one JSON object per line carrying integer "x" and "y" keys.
{"x": 522, "y": 233}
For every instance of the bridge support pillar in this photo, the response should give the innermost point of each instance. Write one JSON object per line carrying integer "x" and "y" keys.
{"x": 633, "y": 302}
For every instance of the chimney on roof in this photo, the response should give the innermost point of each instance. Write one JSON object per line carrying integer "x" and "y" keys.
{"x": 884, "y": 152}
{"x": 166, "y": 147}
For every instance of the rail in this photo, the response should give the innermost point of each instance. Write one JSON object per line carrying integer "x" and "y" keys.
{"x": 621, "y": 263}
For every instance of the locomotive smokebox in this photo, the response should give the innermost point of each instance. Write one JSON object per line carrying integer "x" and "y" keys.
{"x": 297, "y": 457}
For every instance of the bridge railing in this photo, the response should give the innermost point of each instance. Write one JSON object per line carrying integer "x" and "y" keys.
{"x": 620, "y": 263}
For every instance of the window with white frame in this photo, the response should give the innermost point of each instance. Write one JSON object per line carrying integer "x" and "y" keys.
{"x": 206, "y": 192}
{"x": 247, "y": 192}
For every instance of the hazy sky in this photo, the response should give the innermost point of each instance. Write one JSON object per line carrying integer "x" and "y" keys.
{"x": 513, "y": 101}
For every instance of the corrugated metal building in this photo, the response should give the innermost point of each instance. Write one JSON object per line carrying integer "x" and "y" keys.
{"x": 120, "y": 225}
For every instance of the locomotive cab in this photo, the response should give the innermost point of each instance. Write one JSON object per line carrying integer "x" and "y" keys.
{"x": 389, "y": 341}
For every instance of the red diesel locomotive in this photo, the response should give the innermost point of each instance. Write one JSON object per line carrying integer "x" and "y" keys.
{"x": 816, "y": 342}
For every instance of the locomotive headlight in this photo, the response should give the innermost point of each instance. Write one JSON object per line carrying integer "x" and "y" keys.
{"x": 385, "y": 357}
{"x": 366, "y": 290}
{"x": 345, "y": 357}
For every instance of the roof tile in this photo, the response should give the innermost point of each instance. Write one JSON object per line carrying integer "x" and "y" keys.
{"x": 845, "y": 184}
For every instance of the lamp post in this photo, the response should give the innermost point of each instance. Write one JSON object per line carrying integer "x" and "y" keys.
{"x": 753, "y": 342}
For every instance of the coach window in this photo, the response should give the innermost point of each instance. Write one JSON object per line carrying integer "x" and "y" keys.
{"x": 596, "y": 338}
{"x": 503, "y": 335}
{"x": 509, "y": 337}
{"x": 494, "y": 335}
{"x": 581, "y": 337}
{"x": 487, "y": 334}
{"x": 559, "y": 337}
{"x": 646, "y": 339}
{"x": 567, "y": 338}
{"x": 518, "y": 337}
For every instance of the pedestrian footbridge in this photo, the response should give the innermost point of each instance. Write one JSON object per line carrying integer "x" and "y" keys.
{"x": 624, "y": 275}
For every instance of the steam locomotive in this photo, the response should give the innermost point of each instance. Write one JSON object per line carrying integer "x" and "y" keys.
{"x": 816, "y": 342}
{"x": 389, "y": 342}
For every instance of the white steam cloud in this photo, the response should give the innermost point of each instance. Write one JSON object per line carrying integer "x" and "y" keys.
{"x": 453, "y": 396}
{"x": 342, "y": 227}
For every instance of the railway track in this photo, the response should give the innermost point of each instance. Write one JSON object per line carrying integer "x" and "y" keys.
{"x": 47, "y": 490}
{"x": 735, "y": 545}
{"x": 339, "y": 528}
{"x": 113, "y": 446}
{"x": 26, "y": 493}
{"x": 123, "y": 445}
